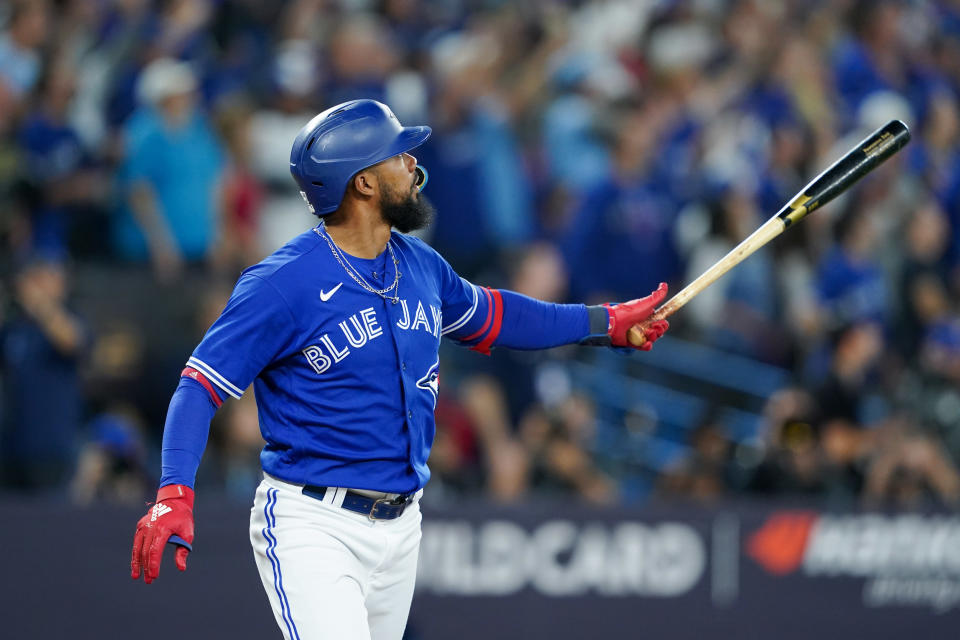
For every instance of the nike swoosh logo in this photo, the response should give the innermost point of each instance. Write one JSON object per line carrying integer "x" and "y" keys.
{"x": 326, "y": 295}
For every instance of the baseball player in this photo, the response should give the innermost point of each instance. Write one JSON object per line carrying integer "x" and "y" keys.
{"x": 339, "y": 332}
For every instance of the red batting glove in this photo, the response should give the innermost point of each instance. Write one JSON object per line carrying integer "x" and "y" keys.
{"x": 626, "y": 314}
{"x": 171, "y": 515}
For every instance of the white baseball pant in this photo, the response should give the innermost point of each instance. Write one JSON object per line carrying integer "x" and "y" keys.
{"x": 330, "y": 573}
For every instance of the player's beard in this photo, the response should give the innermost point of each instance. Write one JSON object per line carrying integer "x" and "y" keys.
{"x": 406, "y": 214}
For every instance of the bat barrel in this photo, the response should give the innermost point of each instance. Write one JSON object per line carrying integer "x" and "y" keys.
{"x": 861, "y": 160}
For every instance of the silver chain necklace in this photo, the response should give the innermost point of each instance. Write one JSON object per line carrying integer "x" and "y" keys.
{"x": 355, "y": 275}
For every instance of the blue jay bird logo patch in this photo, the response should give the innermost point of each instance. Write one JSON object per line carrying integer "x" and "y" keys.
{"x": 431, "y": 381}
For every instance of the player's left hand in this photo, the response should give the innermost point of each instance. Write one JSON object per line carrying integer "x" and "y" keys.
{"x": 169, "y": 519}
{"x": 625, "y": 315}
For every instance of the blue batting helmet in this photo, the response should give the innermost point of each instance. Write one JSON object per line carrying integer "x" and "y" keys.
{"x": 344, "y": 140}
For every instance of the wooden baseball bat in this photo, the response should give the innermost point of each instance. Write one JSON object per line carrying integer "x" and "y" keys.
{"x": 840, "y": 176}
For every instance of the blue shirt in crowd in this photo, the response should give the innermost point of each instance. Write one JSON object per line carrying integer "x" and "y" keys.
{"x": 621, "y": 241}
{"x": 53, "y": 152}
{"x": 42, "y": 401}
{"x": 853, "y": 290}
{"x": 182, "y": 167}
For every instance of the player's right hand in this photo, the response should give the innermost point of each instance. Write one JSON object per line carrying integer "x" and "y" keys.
{"x": 171, "y": 515}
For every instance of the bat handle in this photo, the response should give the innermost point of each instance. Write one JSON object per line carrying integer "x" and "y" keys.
{"x": 636, "y": 336}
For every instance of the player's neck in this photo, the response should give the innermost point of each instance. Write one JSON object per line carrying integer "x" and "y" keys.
{"x": 361, "y": 233}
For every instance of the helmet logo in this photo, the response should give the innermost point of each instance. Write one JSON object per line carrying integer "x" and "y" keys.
{"x": 309, "y": 206}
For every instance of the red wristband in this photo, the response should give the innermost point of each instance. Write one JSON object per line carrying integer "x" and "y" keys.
{"x": 170, "y": 491}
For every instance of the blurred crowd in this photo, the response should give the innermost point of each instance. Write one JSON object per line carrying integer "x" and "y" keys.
{"x": 583, "y": 151}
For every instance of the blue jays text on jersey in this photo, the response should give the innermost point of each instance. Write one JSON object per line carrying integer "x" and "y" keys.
{"x": 346, "y": 381}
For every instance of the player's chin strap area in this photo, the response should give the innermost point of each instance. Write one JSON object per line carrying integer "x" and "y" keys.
{"x": 422, "y": 177}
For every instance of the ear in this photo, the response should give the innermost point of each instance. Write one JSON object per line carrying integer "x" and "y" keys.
{"x": 366, "y": 183}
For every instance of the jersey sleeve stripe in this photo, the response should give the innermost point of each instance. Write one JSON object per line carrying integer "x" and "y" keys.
{"x": 465, "y": 318}
{"x": 190, "y": 372}
{"x": 487, "y": 342}
{"x": 486, "y": 323}
{"x": 214, "y": 377}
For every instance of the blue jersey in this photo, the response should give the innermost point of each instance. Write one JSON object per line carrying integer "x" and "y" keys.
{"x": 346, "y": 381}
